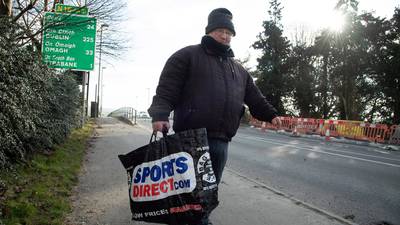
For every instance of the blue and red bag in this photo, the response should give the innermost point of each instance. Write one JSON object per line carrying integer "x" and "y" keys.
{"x": 171, "y": 180}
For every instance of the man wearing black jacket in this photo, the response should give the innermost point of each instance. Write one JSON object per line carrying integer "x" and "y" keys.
{"x": 205, "y": 87}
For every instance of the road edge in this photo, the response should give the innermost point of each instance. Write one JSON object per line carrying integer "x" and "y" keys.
{"x": 294, "y": 200}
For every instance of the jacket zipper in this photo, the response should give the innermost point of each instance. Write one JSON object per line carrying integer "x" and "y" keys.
{"x": 232, "y": 70}
{"x": 224, "y": 112}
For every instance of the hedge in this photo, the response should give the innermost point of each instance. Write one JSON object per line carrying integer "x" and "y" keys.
{"x": 38, "y": 106}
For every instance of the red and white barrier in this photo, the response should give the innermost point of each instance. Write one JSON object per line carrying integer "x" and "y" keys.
{"x": 356, "y": 130}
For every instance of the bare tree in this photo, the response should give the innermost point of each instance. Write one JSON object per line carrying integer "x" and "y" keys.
{"x": 29, "y": 16}
{"x": 302, "y": 36}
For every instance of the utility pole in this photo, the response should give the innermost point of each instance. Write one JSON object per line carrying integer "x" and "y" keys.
{"x": 98, "y": 78}
{"x": 96, "y": 89}
{"x": 102, "y": 90}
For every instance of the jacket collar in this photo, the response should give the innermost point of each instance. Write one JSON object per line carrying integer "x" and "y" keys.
{"x": 213, "y": 47}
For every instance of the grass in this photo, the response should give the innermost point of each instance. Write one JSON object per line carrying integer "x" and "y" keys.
{"x": 38, "y": 192}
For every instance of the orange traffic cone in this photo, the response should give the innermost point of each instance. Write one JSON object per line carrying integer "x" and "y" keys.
{"x": 327, "y": 135}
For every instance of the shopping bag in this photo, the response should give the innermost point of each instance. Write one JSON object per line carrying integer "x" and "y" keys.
{"x": 171, "y": 180}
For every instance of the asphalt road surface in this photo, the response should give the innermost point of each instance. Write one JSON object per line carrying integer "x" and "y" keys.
{"x": 356, "y": 181}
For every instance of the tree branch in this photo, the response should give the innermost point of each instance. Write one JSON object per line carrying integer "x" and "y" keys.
{"x": 23, "y": 11}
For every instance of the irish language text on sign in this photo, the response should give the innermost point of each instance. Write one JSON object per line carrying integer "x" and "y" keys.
{"x": 69, "y": 41}
{"x": 60, "y": 8}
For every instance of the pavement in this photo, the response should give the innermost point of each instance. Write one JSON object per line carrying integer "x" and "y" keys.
{"x": 101, "y": 197}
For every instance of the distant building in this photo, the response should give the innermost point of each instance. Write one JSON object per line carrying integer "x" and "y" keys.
{"x": 143, "y": 114}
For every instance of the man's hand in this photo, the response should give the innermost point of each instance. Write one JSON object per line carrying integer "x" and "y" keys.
{"x": 162, "y": 126}
{"x": 277, "y": 122}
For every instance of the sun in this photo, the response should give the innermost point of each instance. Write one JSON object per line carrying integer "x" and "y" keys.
{"x": 335, "y": 21}
{"x": 322, "y": 16}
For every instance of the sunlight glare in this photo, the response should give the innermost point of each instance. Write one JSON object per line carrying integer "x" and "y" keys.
{"x": 335, "y": 21}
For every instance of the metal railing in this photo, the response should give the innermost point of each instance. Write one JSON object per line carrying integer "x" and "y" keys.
{"x": 128, "y": 113}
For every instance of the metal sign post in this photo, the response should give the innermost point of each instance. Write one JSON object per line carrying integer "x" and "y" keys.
{"x": 84, "y": 106}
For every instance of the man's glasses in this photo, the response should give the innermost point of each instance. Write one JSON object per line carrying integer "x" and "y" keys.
{"x": 224, "y": 31}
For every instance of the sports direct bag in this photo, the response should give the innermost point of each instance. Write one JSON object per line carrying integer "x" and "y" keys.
{"x": 171, "y": 180}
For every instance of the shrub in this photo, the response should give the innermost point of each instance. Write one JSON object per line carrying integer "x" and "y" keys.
{"x": 39, "y": 106}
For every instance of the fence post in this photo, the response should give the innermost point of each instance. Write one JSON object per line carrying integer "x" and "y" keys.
{"x": 395, "y": 136}
{"x": 135, "y": 116}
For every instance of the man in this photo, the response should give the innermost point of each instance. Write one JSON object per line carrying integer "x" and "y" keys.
{"x": 205, "y": 87}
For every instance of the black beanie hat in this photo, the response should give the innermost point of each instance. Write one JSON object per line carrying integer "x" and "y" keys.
{"x": 220, "y": 18}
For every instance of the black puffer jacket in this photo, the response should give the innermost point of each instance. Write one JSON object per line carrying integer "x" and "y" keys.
{"x": 205, "y": 87}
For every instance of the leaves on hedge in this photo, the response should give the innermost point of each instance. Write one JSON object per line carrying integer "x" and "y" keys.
{"x": 39, "y": 106}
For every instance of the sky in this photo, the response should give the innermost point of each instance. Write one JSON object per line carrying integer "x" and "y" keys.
{"x": 158, "y": 28}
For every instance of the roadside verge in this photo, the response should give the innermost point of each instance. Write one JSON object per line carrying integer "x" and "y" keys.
{"x": 38, "y": 191}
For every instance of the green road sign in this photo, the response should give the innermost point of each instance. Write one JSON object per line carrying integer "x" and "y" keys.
{"x": 60, "y": 8}
{"x": 69, "y": 41}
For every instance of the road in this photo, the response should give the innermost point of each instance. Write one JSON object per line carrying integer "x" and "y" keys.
{"x": 358, "y": 182}
{"x": 354, "y": 181}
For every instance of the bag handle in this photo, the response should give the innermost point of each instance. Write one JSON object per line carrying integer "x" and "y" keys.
{"x": 154, "y": 134}
{"x": 163, "y": 143}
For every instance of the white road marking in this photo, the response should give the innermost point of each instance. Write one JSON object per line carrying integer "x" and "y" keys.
{"x": 321, "y": 151}
{"x": 334, "y": 150}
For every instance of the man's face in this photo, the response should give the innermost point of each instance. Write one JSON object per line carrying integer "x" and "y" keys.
{"x": 222, "y": 35}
